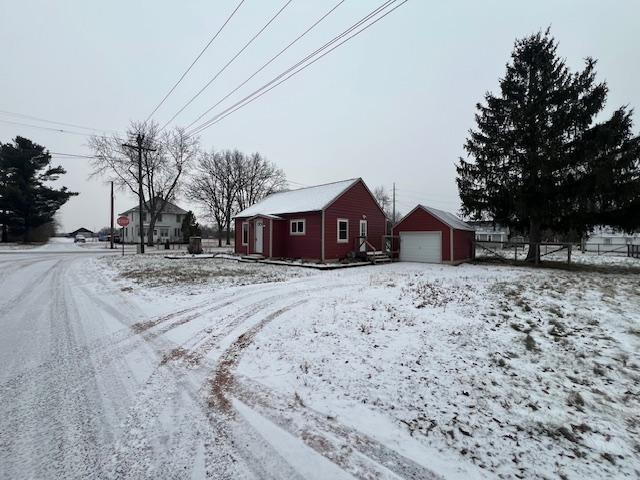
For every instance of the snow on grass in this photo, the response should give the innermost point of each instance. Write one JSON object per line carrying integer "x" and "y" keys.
{"x": 518, "y": 372}
{"x": 158, "y": 275}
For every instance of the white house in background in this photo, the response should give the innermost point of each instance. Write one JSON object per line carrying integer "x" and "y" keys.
{"x": 168, "y": 225}
{"x": 487, "y": 231}
{"x": 611, "y": 239}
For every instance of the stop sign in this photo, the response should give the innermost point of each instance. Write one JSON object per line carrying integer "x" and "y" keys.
{"x": 123, "y": 221}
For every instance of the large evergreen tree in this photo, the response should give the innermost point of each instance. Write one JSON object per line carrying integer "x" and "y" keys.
{"x": 190, "y": 227}
{"x": 26, "y": 202}
{"x": 539, "y": 160}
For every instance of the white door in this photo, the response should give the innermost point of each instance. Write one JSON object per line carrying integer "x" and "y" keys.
{"x": 423, "y": 247}
{"x": 258, "y": 236}
{"x": 363, "y": 235}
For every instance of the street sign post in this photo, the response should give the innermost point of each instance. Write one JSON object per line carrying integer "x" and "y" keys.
{"x": 123, "y": 222}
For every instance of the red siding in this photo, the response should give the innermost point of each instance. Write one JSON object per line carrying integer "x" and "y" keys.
{"x": 239, "y": 248}
{"x": 354, "y": 204}
{"x": 463, "y": 245}
{"x": 280, "y": 233}
{"x": 422, "y": 221}
{"x": 303, "y": 246}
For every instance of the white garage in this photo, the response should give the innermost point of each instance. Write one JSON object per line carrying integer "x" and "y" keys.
{"x": 421, "y": 247}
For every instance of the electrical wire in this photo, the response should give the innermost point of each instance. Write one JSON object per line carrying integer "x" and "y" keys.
{"x": 60, "y": 130}
{"x": 195, "y": 60}
{"x": 303, "y": 60}
{"x": 268, "y": 62}
{"x": 227, "y": 64}
{"x": 39, "y": 119}
{"x": 261, "y": 91}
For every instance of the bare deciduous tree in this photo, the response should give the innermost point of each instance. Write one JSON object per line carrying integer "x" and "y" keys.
{"x": 212, "y": 187}
{"x": 257, "y": 178}
{"x": 229, "y": 181}
{"x": 162, "y": 169}
{"x": 382, "y": 196}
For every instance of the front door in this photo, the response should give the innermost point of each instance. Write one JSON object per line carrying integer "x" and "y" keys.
{"x": 258, "y": 236}
{"x": 363, "y": 235}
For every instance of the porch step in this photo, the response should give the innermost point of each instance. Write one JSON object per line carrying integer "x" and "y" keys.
{"x": 378, "y": 257}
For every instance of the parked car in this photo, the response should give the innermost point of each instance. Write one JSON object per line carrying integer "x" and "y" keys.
{"x": 80, "y": 239}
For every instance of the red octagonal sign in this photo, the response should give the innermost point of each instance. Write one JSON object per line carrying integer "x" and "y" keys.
{"x": 123, "y": 221}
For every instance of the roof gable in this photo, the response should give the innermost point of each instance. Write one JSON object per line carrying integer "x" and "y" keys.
{"x": 309, "y": 199}
{"x": 447, "y": 218}
{"x": 168, "y": 208}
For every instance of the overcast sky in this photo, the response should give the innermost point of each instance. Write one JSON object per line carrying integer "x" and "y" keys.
{"x": 392, "y": 105}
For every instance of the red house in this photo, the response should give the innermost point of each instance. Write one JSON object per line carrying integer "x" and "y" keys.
{"x": 321, "y": 223}
{"x": 433, "y": 236}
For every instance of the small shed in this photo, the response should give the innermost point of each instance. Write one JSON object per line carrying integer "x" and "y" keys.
{"x": 81, "y": 231}
{"x": 430, "y": 235}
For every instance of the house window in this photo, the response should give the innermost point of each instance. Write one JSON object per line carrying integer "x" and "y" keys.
{"x": 178, "y": 218}
{"x": 159, "y": 217}
{"x": 164, "y": 232}
{"x": 177, "y": 234}
{"x": 343, "y": 230}
{"x": 245, "y": 233}
{"x": 297, "y": 227}
{"x": 607, "y": 240}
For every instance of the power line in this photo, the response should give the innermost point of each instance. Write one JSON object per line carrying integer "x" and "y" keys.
{"x": 258, "y": 93}
{"x": 268, "y": 62}
{"x": 227, "y": 64}
{"x": 71, "y": 155}
{"x": 59, "y": 130}
{"x": 195, "y": 61}
{"x": 39, "y": 119}
{"x": 211, "y": 121}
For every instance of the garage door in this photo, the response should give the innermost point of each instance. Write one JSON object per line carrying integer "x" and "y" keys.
{"x": 421, "y": 247}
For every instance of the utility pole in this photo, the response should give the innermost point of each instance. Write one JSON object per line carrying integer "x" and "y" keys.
{"x": 393, "y": 219}
{"x": 111, "y": 216}
{"x": 140, "y": 148}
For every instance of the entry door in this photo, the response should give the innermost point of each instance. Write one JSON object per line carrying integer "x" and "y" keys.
{"x": 258, "y": 236}
{"x": 363, "y": 233}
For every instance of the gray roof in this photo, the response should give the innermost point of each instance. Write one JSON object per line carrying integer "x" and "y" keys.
{"x": 448, "y": 218}
{"x": 168, "y": 208}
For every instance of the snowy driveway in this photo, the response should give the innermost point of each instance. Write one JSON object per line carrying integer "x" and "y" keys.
{"x": 137, "y": 368}
{"x": 98, "y": 383}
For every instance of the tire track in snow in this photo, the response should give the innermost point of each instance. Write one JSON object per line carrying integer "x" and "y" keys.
{"x": 355, "y": 452}
{"x": 55, "y": 426}
{"x": 223, "y": 455}
{"x": 332, "y": 439}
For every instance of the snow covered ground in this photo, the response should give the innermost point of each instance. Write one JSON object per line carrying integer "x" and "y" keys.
{"x": 145, "y": 367}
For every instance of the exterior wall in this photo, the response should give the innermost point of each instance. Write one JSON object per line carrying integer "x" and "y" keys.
{"x": 285, "y": 245}
{"x": 354, "y": 205}
{"x": 302, "y": 246}
{"x": 462, "y": 245}
{"x": 279, "y": 238}
{"x": 239, "y": 248}
{"x": 605, "y": 240}
{"x": 422, "y": 221}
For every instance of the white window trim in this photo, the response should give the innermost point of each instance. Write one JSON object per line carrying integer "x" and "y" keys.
{"x": 338, "y": 239}
{"x": 304, "y": 226}
{"x": 244, "y": 244}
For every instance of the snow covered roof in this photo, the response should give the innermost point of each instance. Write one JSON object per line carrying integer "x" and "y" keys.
{"x": 168, "y": 208}
{"x": 309, "y": 199}
{"x": 448, "y": 218}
